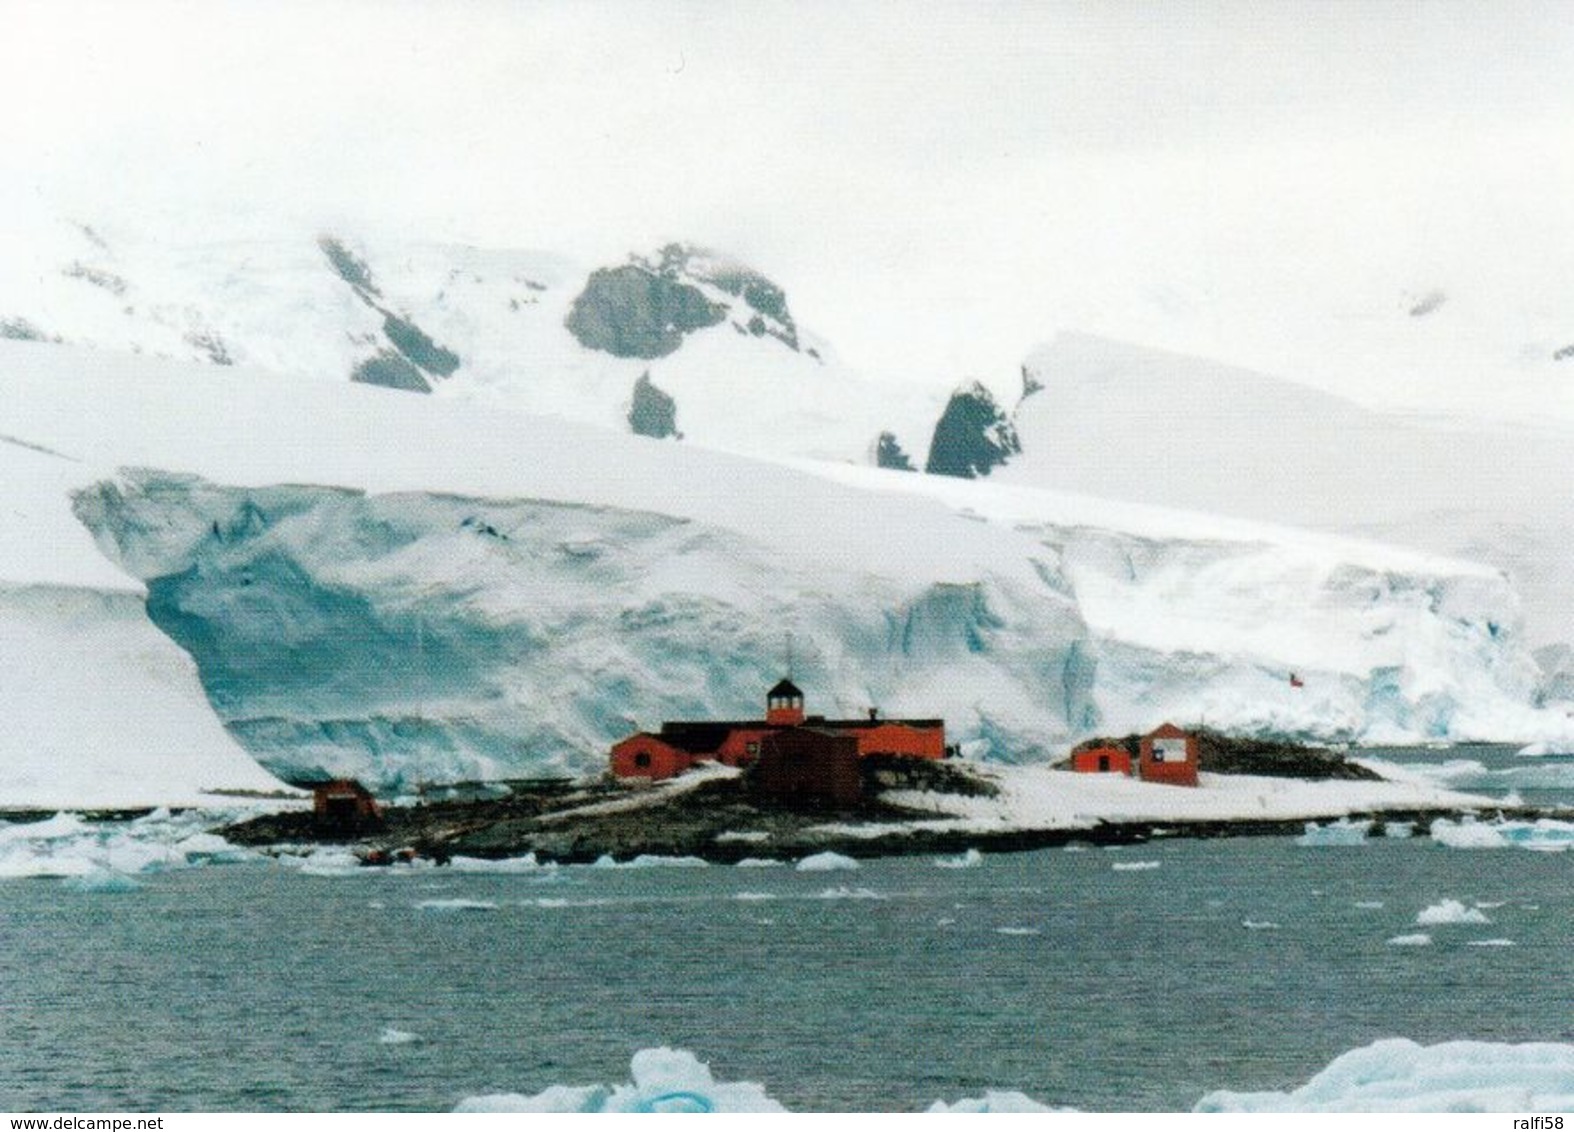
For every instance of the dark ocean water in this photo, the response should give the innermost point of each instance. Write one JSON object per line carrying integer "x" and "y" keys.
{"x": 1198, "y": 965}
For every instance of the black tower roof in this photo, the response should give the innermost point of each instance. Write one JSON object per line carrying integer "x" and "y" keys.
{"x": 784, "y": 688}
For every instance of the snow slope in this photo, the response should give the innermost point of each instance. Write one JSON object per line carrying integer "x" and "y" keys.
{"x": 1137, "y": 424}
{"x": 412, "y": 588}
{"x": 486, "y": 325}
{"x": 101, "y": 710}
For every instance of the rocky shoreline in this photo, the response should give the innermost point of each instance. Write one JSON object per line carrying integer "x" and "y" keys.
{"x": 716, "y": 820}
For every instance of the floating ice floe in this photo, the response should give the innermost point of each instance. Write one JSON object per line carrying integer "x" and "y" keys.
{"x": 969, "y": 860}
{"x": 995, "y": 1101}
{"x": 393, "y": 1037}
{"x": 650, "y": 861}
{"x": 664, "y": 1080}
{"x": 842, "y": 892}
{"x": 1545, "y": 835}
{"x": 759, "y": 863}
{"x": 826, "y": 862}
{"x": 1260, "y": 925}
{"x": 1014, "y": 930}
{"x": 1341, "y": 832}
{"x": 102, "y": 881}
{"x": 1398, "y": 1075}
{"x": 1399, "y": 830}
{"x": 457, "y": 904}
{"x": 67, "y": 845}
{"x": 1490, "y": 943}
{"x": 754, "y": 896}
{"x": 1418, "y": 939}
{"x": 1134, "y": 866}
{"x": 1451, "y": 912}
{"x": 1546, "y": 747}
{"x": 505, "y": 865}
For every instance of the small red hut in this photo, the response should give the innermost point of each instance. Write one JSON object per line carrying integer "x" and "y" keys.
{"x": 344, "y": 805}
{"x": 1102, "y": 760}
{"x": 1168, "y": 755}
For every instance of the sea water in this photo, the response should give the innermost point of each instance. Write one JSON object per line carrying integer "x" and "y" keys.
{"x": 1135, "y": 978}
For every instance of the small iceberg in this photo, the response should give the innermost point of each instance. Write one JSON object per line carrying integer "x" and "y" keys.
{"x": 825, "y": 863}
{"x": 969, "y": 860}
{"x": 457, "y": 904}
{"x": 1341, "y": 832}
{"x": 664, "y": 1080}
{"x": 1451, "y": 912}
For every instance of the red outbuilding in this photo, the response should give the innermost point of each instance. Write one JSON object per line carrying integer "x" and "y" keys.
{"x": 1102, "y": 760}
{"x": 1168, "y": 755}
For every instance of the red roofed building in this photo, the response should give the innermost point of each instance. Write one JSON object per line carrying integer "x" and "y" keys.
{"x": 1168, "y": 755}
{"x": 682, "y": 744}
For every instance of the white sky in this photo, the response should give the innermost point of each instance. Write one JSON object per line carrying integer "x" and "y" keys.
{"x": 937, "y": 186}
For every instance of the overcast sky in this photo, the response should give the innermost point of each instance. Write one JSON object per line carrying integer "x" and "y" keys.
{"x": 938, "y": 186}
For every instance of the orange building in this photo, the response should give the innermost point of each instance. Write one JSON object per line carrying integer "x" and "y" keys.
{"x": 1169, "y": 755}
{"x": 682, "y": 744}
{"x": 1102, "y": 760}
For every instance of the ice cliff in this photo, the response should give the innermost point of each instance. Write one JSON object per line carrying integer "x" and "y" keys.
{"x": 358, "y": 600}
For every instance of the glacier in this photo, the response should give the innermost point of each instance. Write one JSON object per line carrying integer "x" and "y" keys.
{"x": 347, "y": 598}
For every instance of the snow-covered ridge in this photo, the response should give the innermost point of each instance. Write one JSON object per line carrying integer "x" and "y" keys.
{"x": 359, "y": 597}
{"x": 531, "y": 330}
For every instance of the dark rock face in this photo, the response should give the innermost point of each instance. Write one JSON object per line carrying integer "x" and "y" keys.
{"x": 653, "y": 412}
{"x": 417, "y": 347}
{"x": 973, "y": 436}
{"x": 351, "y": 268}
{"x": 391, "y": 371}
{"x": 21, "y": 330}
{"x": 633, "y": 312}
{"x": 888, "y": 454}
{"x": 644, "y": 308}
{"x": 418, "y": 357}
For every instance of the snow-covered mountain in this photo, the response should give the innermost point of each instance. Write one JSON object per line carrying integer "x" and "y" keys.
{"x": 357, "y": 599}
{"x": 677, "y": 342}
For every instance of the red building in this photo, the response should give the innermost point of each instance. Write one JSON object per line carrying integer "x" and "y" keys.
{"x": 1168, "y": 755}
{"x": 682, "y": 744}
{"x": 804, "y": 766}
{"x": 1102, "y": 760}
{"x": 344, "y": 805}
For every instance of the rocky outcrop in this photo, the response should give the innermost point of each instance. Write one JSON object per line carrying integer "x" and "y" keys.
{"x": 633, "y": 312}
{"x": 645, "y": 308}
{"x": 888, "y": 453}
{"x": 973, "y": 435}
{"x": 653, "y": 412}
{"x": 391, "y": 371}
{"x": 418, "y": 358}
